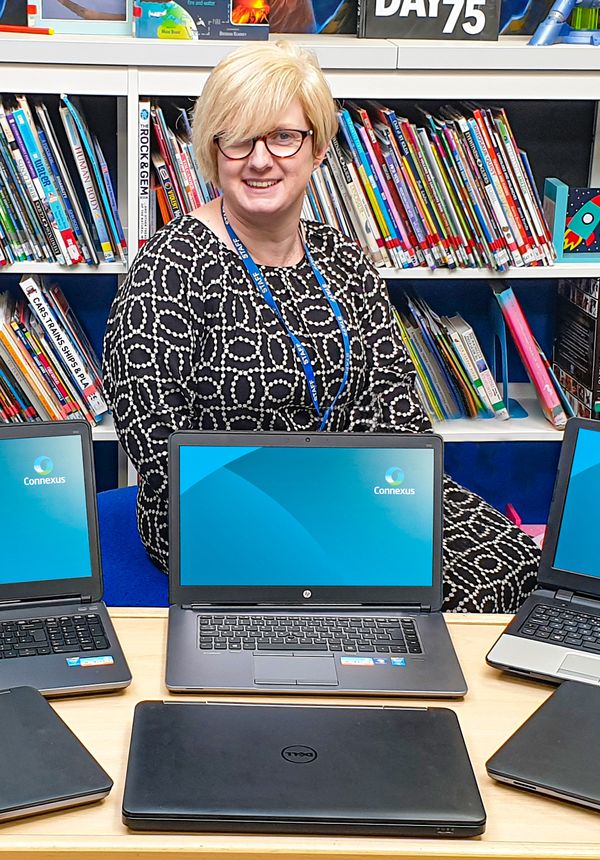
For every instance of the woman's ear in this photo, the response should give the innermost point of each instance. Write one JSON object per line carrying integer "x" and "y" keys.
{"x": 319, "y": 156}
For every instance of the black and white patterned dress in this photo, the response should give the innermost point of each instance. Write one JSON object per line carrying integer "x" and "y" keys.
{"x": 190, "y": 344}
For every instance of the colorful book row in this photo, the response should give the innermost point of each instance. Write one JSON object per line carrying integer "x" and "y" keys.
{"x": 43, "y": 217}
{"x": 48, "y": 368}
{"x": 454, "y": 375}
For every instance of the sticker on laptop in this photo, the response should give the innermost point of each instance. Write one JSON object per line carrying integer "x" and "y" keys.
{"x": 364, "y": 661}
{"x": 398, "y": 661}
{"x": 357, "y": 661}
{"x": 86, "y": 662}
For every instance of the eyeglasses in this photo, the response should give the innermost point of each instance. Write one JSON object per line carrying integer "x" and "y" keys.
{"x": 282, "y": 143}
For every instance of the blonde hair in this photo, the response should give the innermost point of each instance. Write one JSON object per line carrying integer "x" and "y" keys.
{"x": 250, "y": 88}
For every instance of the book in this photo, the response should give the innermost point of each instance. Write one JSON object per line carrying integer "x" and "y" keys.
{"x": 69, "y": 194}
{"x": 530, "y": 355}
{"x": 42, "y": 178}
{"x": 576, "y": 355}
{"x": 65, "y": 345}
{"x": 407, "y": 19}
{"x": 87, "y": 181}
{"x": 240, "y": 20}
{"x": 26, "y": 172}
{"x": 110, "y": 213}
{"x": 473, "y": 347}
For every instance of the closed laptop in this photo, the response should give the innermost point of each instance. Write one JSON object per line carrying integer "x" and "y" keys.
{"x": 556, "y": 751}
{"x": 375, "y": 770}
{"x": 44, "y": 765}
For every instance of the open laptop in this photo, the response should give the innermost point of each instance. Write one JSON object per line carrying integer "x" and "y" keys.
{"x": 307, "y": 563}
{"x": 202, "y": 766}
{"x": 556, "y": 633}
{"x": 55, "y": 632}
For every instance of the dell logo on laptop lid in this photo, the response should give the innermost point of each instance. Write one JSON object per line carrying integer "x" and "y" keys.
{"x": 299, "y": 754}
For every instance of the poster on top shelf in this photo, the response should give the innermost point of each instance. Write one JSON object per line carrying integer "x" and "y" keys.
{"x": 85, "y": 17}
{"x": 238, "y": 20}
{"x": 472, "y": 20}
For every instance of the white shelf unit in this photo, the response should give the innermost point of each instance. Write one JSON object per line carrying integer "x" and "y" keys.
{"x": 126, "y": 68}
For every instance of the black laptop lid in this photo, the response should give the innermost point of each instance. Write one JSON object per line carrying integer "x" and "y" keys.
{"x": 329, "y": 518}
{"x": 48, "y": 512}
{"x": 570, "y": 557}
{"x": 556, "y": 750}
{"x": 286, "y": 767}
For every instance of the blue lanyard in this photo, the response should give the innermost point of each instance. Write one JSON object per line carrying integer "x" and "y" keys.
{"x": 263, "y": 288}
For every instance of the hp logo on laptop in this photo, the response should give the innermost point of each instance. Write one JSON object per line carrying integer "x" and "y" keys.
{"x": 306, "y": 593}
{"x": 299, "y": 754}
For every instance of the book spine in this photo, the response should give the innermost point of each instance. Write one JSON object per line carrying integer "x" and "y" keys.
{"x": 362, "y": 222}
{"x": 88, "y": 184}
{"x": 370, "y": 186}
{"x": 47, "y": 191}
{"x": 110, "y": 191}
{"x": 399, "y": 228}
{"x": 68, "y": 353}
{"x": 85, "y": 139}
{"x": 26, "y": 172}
{"x": 144, "y": 171}
{"x": 64, "y": 197}
{"x": 86, "y": 241}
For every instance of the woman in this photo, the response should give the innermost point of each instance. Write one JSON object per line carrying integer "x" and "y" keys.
{"x": 241, "y": 317}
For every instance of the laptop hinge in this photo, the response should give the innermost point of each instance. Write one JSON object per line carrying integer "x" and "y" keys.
{"x": 49, "y": 601}
{"x": 564, "y": 594}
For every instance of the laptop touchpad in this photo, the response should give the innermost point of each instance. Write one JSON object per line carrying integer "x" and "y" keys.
{"x": 580, "y": 666}
{"x": 275, "y": 669}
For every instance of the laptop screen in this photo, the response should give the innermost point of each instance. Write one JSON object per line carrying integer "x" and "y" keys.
{"x": 324, "y": 516}
{"x": 43, "y": 510}
{"x": 577, "y": 543}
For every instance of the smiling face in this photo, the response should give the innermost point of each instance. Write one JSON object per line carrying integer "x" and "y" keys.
{"x": 263, "y": 187}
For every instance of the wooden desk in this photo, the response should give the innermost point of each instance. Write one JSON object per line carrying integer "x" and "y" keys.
{"x": 519, "y": 824}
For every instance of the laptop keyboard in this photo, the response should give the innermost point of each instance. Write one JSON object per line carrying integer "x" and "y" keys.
{"x": 308, "y": 633}
{"x": 568, "y": 627}
{"x": 66, "y": 634}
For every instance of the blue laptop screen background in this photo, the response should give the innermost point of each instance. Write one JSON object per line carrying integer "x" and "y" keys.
{"x": 577, "y": 545}
{"x": 43, "y": 510}
{"x": 302, "y": 516}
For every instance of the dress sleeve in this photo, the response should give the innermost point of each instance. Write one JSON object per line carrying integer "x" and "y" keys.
{"x": 148, "y": 350}
{"x": 389, "y": 401}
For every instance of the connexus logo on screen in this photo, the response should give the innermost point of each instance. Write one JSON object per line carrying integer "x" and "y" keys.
{"x": 44, "y": 466}
{"x": 299, "y": 754}
{"x": 394, "y": 477}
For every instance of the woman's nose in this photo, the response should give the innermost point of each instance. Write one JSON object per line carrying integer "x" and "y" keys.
{"x": 260, "y": 157}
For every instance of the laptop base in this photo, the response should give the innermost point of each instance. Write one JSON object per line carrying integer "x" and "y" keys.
{"x": 435, "y": 673}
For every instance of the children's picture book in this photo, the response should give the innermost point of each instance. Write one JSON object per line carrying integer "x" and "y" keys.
{"x": 239, "y": 20}
{"x": 574, "y": 217}
{"x": 428, "y": 19}
{"x": 102, "y": 17}
{"x": 313, "y": 16}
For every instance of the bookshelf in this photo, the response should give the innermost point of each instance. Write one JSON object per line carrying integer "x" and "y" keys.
{"x": 124, "y": 69}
